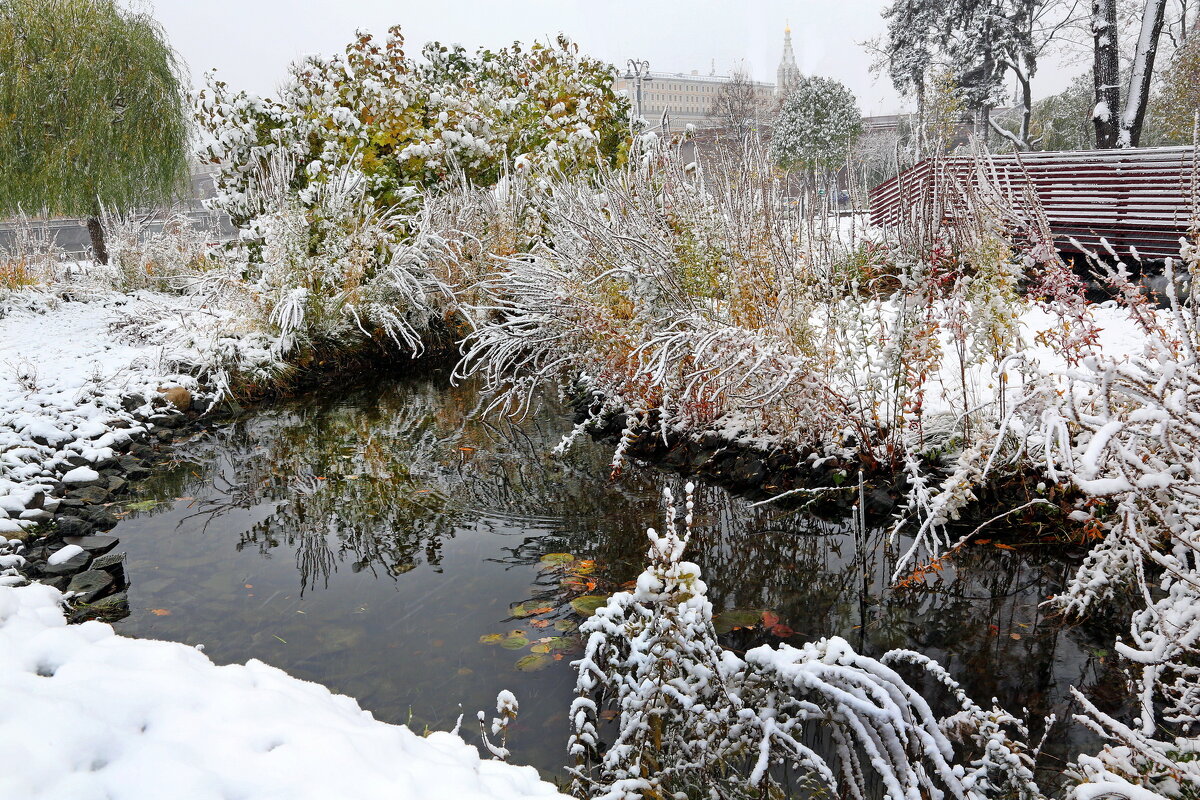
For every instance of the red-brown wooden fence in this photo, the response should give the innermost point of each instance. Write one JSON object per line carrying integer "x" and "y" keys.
{"x": 1139, "y": 201}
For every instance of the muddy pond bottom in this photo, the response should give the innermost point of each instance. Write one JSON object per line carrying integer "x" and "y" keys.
{"x": 385, "y": 541}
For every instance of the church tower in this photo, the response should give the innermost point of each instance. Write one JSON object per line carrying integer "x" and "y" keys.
{"x": 788, "y": 74}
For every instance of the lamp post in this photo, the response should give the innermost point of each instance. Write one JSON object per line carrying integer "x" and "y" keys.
{"x": 639, "y": 73}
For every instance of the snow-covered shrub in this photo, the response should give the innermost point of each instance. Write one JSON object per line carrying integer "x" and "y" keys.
{"x": 335, "y": 270}
{"x": 692, "y": 716}
{"x": 710, "y": 300}
{"x": 32, "y": 256}
{"x": 166, "y": 255}
{"x": 411, "y": 125}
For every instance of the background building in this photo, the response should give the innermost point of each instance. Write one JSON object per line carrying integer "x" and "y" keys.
{"x": 686, "y": 97}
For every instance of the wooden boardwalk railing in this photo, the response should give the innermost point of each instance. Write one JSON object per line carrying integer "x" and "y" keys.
{"x": 1134, "y": 204}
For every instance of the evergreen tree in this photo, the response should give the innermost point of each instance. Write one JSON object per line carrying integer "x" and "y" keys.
{"x": 817, "y": 124}
{"x": 92, "y": 111}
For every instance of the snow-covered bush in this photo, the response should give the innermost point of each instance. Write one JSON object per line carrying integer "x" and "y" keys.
{"x": 336, "y": 270}
{"x": 693, "y": 716}
{"x": 411, "y": 125}
{"x": 161, "y": 254}
{"x": 708, "y": 300}
{"x": 818, "y": 124}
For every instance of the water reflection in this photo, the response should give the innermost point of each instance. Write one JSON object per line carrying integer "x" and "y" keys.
{"x": 370, "y": 538}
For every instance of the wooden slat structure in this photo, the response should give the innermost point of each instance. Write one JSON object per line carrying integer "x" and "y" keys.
{"x": 1134, "y": 203}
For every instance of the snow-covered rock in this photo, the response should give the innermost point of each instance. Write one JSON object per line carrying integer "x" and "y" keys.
{"x": 89, "y": 714}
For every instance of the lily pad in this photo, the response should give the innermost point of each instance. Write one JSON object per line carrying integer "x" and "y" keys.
{"x": 519, "y": 610}
{"x": 491, "y": 638}
{"x": 564, "y": 625}
{"x": 540, "y": 648}
{"x": 141, "y": 505}
{"x": 534, "y": 663}
{"x": 511, "y": 642}
{"x": 561, "y": 643}
{"x": 557, "y": 558}
{"x": 736, "y": 618}
{"x": 588, "y": 604}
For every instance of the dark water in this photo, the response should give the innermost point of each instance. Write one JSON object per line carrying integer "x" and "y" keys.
{"x": 368, "y": 539}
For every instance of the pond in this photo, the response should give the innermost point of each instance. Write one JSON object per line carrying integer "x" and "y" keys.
{"x": 386, "y": 541}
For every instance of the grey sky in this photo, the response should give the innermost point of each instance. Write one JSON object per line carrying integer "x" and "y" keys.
{"x": 251, "y": 42}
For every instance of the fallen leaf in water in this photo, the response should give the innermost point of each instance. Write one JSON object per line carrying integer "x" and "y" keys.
{"x": 588, "y": 604}
{"x": 1003, "y": 546}
{"x": 542, "y": 610}
{"x": 558, "y": 656}
{"x": 248, "y": 586}
{"x": 534, "y": 662}
{"x": 160, "y": 612}
{"x": 465, "y": 671}
{"x": 514, "y": 642}
{"x": 782, "y": 631}
{"x": 491, "y": 638}
{"x": 983, "y": 541}
{"x": 540, "y": 648}
{"x": 557, "y": 558}
{"x": 609, "y": 714}
{"x": 541, "y": 623}
{"x": 770, "y": 619}
{"x": 1014, "y": 636}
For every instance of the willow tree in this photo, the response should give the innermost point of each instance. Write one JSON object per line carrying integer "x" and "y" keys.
{"x": 92, "y": 111}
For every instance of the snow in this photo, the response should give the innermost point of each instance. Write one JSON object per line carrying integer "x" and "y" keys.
{"x": 89, "y": 714}
{"x": 64, "y": 555}
{"x": 67, "y": 365}
{"x": 81, "y": 475}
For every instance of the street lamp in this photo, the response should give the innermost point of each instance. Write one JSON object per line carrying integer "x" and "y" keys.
{"x": 639, "y": 73}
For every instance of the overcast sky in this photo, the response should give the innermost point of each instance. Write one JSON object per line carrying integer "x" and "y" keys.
{"x": 251, "y": 42}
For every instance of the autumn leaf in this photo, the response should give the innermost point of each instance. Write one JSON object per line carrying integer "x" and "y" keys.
{"x": 541, "y": 623}
{"x": 770, "y": 619}
{"x": 160, "y": 612}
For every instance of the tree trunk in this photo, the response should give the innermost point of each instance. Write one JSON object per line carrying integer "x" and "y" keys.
{"x": 96, "y": 231}
{"x": 1105, "y": 73}
{"x": 1137, "y": 97}
{"x": 1026, "y": 109}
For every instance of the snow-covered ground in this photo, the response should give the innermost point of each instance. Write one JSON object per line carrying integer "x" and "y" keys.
{"x": 91, "y": 715}
{"x": 77, "y": 378}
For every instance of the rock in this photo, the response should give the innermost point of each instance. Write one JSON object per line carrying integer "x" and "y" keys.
{"x": 748, "y": 470}
{"x": 51, "y": 504}
{"x": 81, "y": 476}
{"x": 59, "y": 583}
{"x": 116, "y": 483}
{"x": 132, "y": 401}
{"x": 169, "y": 420}
{"x": 164, "y": 435}
{"x": 20, "y": 534}
{"x": 90, "y": 584}
{"x": 37, "y": 515}
{"x": 76, "y": 460}
{"x": 75, "y": 563}
{"x": 177, "y": 396}
{"x": 201, "y": 404}
{"x": 112, "y": 563}
{"x": 89, "y": 494}
{"x": 37, "y": 502}
{"x": 96, "y": 545}
{"x": 100, "y": 517}
{"x": 73, "y": 526}
{"x": 109, "y": 609}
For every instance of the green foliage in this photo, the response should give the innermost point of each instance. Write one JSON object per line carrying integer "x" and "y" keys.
{"x": 817, "y": 125}
{"x": 1178, "y": 101}
{"x": 92, "y": 109}
{"x": 408, "y": 126}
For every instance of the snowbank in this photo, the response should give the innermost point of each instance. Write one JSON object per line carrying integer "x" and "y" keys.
{"x": 77, "y": 378}
{"x": 89, "y": 715}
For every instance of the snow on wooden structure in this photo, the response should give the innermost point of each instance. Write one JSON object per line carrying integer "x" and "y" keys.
{"x": 1134, "y": 203}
